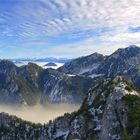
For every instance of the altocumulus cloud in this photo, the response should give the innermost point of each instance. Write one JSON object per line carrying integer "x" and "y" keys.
{"x": 67, "y": 27}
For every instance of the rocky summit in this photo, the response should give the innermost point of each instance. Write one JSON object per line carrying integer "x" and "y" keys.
{"x": 82, "y": 65}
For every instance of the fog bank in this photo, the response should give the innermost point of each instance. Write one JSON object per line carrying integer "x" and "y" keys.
{"x": 39, "y": 114}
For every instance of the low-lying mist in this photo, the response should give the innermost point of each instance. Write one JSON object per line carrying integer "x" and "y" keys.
{"x": 38, "y": 113}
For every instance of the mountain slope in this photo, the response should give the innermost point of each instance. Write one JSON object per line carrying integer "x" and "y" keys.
{"x": 59, "y": 87}
{"x": 31, "y": 84}
{"x": 9, "y": 89}
{"x": 107, "y": 113}
{"x": 104, "y": 113}
{"x": 82, "y": 65}
{"x": 125, "y": 62}
{"x": 122, "y": 62}
{"x": 18, "y": 85}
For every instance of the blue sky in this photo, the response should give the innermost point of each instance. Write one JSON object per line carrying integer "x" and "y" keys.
{"x": 67, "y": 28}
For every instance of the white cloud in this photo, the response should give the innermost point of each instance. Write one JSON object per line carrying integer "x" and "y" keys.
{"x": 110, "y": 19}
{"x": 59, "y": 16}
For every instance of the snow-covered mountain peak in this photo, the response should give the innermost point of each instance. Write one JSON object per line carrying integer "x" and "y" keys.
{"x": 126, "y": 53}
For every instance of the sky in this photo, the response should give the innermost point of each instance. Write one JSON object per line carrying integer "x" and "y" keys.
{"x": 67, "y": 28}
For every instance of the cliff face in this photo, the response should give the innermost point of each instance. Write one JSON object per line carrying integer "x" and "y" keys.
{"x": 107, "y": 113}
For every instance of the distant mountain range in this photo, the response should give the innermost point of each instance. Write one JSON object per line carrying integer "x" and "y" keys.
{"x": 48, "y": 59}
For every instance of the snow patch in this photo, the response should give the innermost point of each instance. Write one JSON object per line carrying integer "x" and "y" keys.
{"x": 96, "y": 75}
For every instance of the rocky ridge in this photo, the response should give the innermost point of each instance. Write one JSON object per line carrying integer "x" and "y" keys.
{"x": 123, "y": 62}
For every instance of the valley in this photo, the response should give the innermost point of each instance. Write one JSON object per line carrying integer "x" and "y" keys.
{"x": 91, "y": 97}
{"x": 39, "y": 114}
